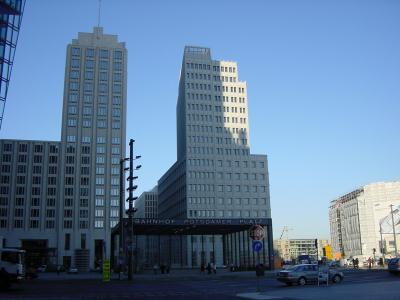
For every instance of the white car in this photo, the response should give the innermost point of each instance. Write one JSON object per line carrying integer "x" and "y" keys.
{"x": 42, "y": 268}
{"x": 72, "y": 270}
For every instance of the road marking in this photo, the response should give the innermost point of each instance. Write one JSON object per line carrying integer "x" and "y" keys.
{"x": 257, "y": 296}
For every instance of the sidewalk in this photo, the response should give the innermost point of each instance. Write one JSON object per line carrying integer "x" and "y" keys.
{"x": 149, "y": 275}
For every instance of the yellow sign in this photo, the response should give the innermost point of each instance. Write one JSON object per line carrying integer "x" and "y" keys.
{"x": 328, "y": 252}
{"x": 106, "y": 270}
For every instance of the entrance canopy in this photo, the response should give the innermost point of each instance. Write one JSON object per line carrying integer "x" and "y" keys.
{"x": 191, "y": 226}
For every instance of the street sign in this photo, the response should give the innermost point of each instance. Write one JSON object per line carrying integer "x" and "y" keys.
{"x": 106, "y": 270}
{"x": 257, "y": 246}
{"x": 256, "y": 232}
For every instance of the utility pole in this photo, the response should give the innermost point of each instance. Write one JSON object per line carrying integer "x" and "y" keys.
{"x": 382, "y": 245}
{"x": 122, "y": 170}
{"x": 130, "y": 209}
{"x": 394, "y": 230}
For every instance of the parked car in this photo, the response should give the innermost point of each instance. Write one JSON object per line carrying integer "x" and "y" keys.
{"x": 72, "y": 270}
{"x": 394, "y": 265}
{"x": 42, "y": 268}
{"x": 306, "y": 273}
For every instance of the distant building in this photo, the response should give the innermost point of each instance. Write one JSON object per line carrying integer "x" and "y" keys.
{"x": 290, "y": 249}
{"x": 147, "y": 205}
{"x": 11, "y": 18}
{"x": 148, "y": 246}
{"x": 357, "y": 219}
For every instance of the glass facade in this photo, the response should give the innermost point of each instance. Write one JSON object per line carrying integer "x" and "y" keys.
{"x": 10, "y": 22}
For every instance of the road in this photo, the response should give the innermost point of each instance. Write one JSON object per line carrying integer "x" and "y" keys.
{"x": 357, "y": 284}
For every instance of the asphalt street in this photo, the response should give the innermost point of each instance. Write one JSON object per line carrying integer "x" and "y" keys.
{"x": 366, "y": 284}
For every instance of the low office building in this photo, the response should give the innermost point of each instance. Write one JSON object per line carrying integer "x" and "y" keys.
{"x": 29, "y": 197}
{"x": 360, "y": 221}
{"x": 291, "y": 249}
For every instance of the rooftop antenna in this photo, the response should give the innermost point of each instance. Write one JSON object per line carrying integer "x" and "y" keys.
{"x": 98, "y": 17}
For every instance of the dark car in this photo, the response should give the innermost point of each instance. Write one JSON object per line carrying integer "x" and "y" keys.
{"x": 394, "y": 265}
{"x": 307, "y": 273}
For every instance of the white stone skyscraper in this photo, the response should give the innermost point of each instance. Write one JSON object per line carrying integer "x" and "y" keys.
{"x": 93, "y": 140}
{"x": 215, "y": 175}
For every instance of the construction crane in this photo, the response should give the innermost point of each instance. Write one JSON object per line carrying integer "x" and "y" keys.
{"x": 285, "y": 229}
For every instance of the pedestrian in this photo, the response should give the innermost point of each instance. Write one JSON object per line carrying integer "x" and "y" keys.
{"x": 369, "y": 263}
{"x": 162, "y": 268}
{"x": 208, "y": 268}
{"x": 215, "y": 269}
{"x": 202, "y": 269}
{"x": 155, "y": 268}
{"x": 357, "y": 261}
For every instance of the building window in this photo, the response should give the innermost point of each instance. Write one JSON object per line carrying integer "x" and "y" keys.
{"x": 86, "y": 139}
{"x": 89, "y": 52}
{"x": 98, "y": 224}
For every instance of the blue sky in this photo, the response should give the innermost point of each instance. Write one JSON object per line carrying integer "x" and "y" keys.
{"x": 323, "y": 86}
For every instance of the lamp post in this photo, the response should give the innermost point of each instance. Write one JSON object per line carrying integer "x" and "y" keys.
{"x": 130, "y": 199}
{"x": 122, "y": 170}
{"x": 394, "y": 231}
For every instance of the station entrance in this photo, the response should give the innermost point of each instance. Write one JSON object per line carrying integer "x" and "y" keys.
{"x": 191, "y": 243}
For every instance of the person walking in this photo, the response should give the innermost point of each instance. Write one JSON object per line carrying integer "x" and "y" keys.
{"x": 215, "y": 268}
{"x": 208, "y": 268}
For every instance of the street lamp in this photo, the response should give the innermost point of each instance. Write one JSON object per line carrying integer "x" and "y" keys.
{"x": 131, "y": 210}
{"x": 122, "y": 171}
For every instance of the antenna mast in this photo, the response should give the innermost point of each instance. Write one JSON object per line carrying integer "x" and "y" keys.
{"x": 98, "y": 17}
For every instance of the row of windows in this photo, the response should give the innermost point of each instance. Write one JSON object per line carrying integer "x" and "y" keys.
{"x": 88, "y": 98}
{"x": 226, "y": 188}
{"x": 7, "y": 147}
{"x": 232, "y": 99}
{"x": 88, "y": 87}
{"x": 228, "y": 176}
{"x": 49, "y": 224}
{"x": 227, "y": 213}
{"x": 218, "y": 119}
{"x": 6, "y": 168}
{"x": 90, "y": 52}
{"x": 200, "y": 76}
{"x": 51, "y": 202}
{"x": 224, "y": 88}
{"x": 198, "y": 66}
{"x": 87, "y": 110}
{"x": 226, "y": 201}
{"x": 198, "y": 86}
{"x": 89, "y": 75}
{"x": 22, "y": 158}
{"x": 217, "y": 108}
{"x": 90, "y": 64}
{"x": 113, "y": 202}
{"x": 226, "y": 163}
{"x": 198, "y": 96}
